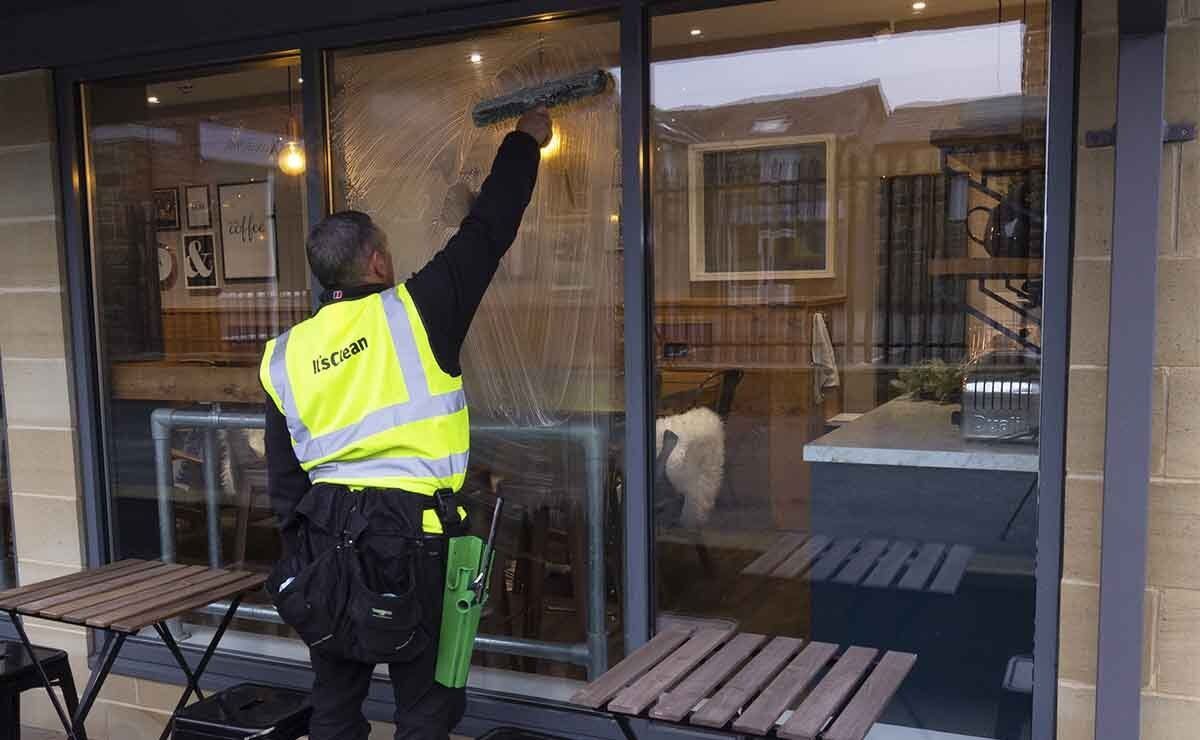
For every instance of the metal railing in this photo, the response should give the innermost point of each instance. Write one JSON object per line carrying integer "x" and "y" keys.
{"x": 593, "y": 440}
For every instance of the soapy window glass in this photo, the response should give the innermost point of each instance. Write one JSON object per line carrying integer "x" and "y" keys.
{"x": 542, "y": 363}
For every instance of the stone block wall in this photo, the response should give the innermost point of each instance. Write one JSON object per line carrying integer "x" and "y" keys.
{"x": 1171, "y": 639}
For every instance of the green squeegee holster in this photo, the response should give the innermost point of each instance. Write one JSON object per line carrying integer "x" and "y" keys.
{"x": 468, "y": 573}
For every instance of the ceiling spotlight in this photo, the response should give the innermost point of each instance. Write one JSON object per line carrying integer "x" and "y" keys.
{"x": 476, "y": 58}
{"x": 696, "y": 32}
{"x": 919, "y": 5}
{"x": 153, "y": 100}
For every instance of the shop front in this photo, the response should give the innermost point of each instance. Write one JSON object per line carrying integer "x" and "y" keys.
{"x": 783, "y": 346}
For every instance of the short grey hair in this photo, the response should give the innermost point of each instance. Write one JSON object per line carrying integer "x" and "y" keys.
{"x": 339, "y": 247}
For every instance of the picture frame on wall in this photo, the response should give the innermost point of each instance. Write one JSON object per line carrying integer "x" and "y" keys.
{"x": 198, "y": 207}
{"x": 763, "y": 209}
{"x": 247, "y": 226}
{"x": 166, "y": 209}
{"x": 199, "y": 262}
{"x": 167, "y": 249}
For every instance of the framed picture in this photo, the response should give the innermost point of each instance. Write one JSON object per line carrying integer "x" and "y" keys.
{"x": 199, "y": 262}
{"x": 762, "y": 209}
{"x": 247, "y": 215}
{"x": 167, "y": 243}
{"x": 166, "y": 209}
{"x": 196, "y": 202}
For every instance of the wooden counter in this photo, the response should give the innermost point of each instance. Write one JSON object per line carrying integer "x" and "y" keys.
{"x": 186, "y": 382}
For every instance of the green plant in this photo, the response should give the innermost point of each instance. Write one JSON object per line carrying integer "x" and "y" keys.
{"x": 931, "y": 381}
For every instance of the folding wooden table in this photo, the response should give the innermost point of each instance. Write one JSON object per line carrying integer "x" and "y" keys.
{"x": 744, "y": 684}
{"x": 121, "y": 599}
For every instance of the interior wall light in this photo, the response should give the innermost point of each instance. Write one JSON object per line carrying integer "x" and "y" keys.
{"x": 153, "y": 99}
{"x": 476, "y": 58}
{"x": 696, "y": 32}
{"x": 550, "y": 148}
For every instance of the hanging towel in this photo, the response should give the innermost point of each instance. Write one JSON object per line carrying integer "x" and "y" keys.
{"x": 825, "y": 372}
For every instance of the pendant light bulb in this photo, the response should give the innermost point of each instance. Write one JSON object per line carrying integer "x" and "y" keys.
{"x": 291, "y": 158}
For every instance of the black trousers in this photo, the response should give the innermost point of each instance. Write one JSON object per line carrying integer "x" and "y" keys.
{"x": 393, "y": 550}
{"x": 341, "y": 687}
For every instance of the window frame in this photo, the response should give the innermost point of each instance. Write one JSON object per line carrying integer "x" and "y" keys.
{"x": 149, "y": 659}
{"x": 697, "y": 245}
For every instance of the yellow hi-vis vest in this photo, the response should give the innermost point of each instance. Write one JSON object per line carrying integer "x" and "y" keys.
{"x": 366, "y": 403}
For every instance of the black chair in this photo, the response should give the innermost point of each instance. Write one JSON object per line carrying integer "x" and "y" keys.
{"x": 246, "y": 710}
{"x": 18, "y": 673}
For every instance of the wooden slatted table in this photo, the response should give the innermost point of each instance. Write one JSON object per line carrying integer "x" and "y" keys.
{"x": 747, "y": 684}
{"x": 122, "y": 599}
{"x": 876, "y": 563}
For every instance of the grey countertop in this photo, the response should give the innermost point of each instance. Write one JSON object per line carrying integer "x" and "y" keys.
{"x": 917, "y": 434}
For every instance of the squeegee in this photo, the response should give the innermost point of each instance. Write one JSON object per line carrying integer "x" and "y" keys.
{"x": 548, "y": 94}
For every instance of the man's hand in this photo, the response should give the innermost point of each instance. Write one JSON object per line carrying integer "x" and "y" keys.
{"x": 537, "y": 124}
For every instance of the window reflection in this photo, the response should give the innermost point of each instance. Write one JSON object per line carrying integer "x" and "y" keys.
{"x": 847, "y": 242}
{"x": 198, "y": 225}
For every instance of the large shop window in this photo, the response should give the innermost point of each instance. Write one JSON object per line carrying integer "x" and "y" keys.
{"x": 195, "y": 185}
{"x": 542, "y": 364}
{"x": 847, "y": 228}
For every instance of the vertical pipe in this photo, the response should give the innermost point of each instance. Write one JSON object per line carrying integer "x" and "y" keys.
{"x": 639, "y": 323}
{"x": 160, "y": 431}
{"x": 596, "y": 463}
{"x": 1059, "y": 236}
{"x": 211, "y": 499}
{"x": 1131, "y": 330}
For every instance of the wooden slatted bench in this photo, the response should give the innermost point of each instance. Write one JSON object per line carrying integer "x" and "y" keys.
{"x": 875, "y": 563}
{"x": 748, "y": 684}
{"x": 122, "y": 599}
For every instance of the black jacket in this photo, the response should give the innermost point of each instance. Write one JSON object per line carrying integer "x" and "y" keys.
{"x": 447, "y": 292}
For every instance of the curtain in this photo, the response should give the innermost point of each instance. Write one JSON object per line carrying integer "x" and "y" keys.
{"x": 917, "y": 318}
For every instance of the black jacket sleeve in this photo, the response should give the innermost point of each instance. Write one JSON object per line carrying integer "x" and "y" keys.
{"x": 286, "y": 480}
{"x": 447, "y": 291}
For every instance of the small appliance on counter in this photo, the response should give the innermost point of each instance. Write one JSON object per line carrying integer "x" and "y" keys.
{"x": 1001, "y": 398}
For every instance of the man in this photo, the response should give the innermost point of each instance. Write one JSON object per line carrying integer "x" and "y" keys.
{"x": 367, "y": 439}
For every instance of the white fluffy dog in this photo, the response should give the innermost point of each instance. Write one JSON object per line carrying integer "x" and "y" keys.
{"x": 697, "y": 464}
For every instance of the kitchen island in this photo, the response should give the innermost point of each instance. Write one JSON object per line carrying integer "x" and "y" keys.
{"x": 903, "y": 471}
{"x": 917, "y": 434}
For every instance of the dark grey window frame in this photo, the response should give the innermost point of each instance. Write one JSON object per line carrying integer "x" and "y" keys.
{"x": 147, "y": 659}
{"x": 1141, "y": 70}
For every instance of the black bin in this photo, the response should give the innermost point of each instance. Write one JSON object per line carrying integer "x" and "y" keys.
{"x": 246, "y": 710}
{"x": 512, "y": 733}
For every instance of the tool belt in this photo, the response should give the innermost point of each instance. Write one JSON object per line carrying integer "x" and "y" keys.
{"x": 360, "y": 585}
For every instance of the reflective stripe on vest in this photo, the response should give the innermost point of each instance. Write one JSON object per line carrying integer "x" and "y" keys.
{"x": 370, "y": 450}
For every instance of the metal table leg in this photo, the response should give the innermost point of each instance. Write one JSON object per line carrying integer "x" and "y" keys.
{"x": 74, "y": 726}
{"x": 193, "y": 677}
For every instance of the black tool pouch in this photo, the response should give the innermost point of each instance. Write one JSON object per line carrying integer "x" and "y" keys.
{"x": 310, "y": 594}
{"x": 383, "y": 627}
{"x": 340, "y": 609}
